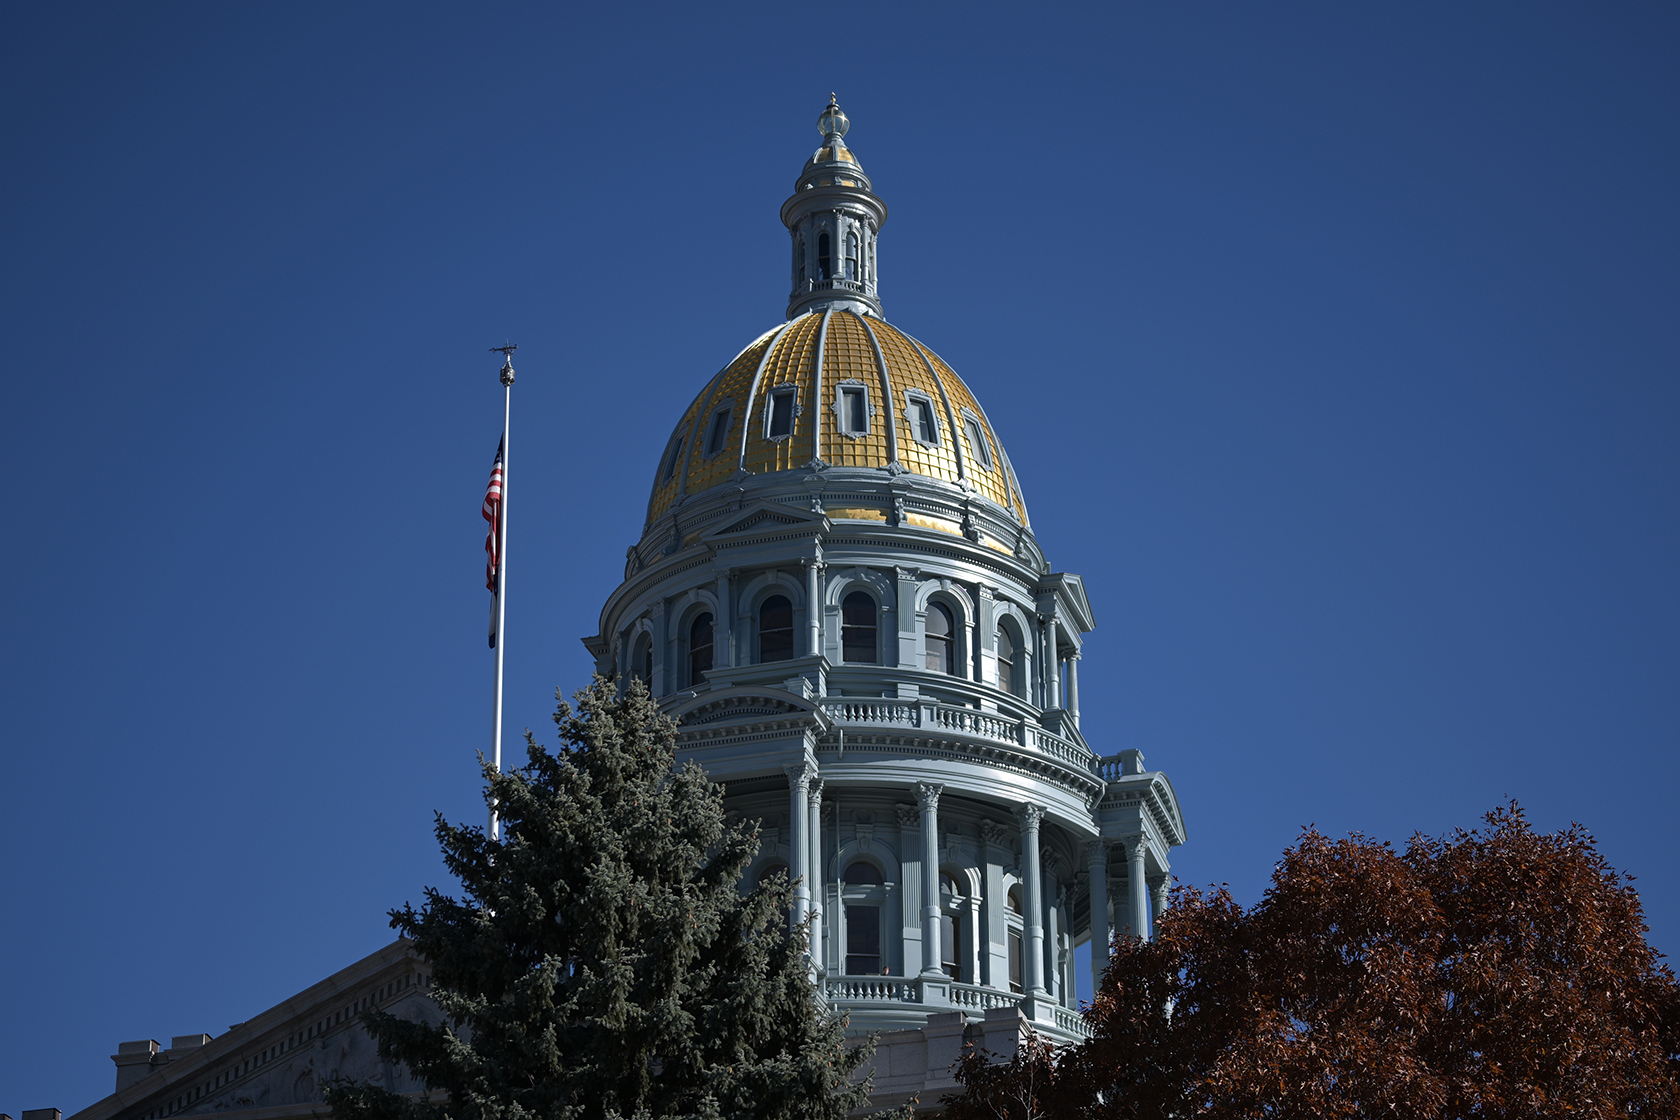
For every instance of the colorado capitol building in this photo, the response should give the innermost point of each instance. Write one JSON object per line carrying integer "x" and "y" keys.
{"x": 839, "y": 596}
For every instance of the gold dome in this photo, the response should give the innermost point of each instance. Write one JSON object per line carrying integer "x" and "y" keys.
{"x": 733, "y": 425}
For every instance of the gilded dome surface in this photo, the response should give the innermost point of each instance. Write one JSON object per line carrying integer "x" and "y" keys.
{"x": 835, "y": 389}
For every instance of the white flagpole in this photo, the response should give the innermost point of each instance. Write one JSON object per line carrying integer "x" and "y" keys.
{"x": 501, "y": 577}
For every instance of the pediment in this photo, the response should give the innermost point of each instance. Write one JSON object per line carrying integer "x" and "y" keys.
{"x": 763, "y": 517}
{"x": 751, "y": 704}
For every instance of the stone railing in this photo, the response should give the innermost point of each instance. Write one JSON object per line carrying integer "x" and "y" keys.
{"x": 969, "y": 722}
{"x": 972, "y": 997}
{"x": 837, "y": 284}
{"x": 1072, "y": 1022}
{"x": 870, "y": 989}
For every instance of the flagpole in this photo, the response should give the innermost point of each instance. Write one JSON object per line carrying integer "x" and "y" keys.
{"x": 501, "y": 576}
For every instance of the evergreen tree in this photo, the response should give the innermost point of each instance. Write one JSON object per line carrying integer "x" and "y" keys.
{"x": 603, "y": 961}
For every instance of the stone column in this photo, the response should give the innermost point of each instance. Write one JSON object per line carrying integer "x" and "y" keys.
{"x": 1052, "y": 666}
{"x": 813, "y": 602}
{"x": 819, "y": 892}
{"x": 1137, "y": 890}
{"x": 1073, "y": 686}
{"x": 799, "y": 844}
{"x": 722, "y": 651}
{"x": 1160, "y": 894}
{"x": 1029, "y": 816}
{"x": 927, "y": 799}
{"x": 1096, "y": 854}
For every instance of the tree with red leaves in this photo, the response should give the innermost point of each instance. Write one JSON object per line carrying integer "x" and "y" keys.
{"x": 1493, "y": 974}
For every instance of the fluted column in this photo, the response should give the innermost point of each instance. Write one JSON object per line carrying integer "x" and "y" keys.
{"x": 1052, "y": 665}
{"x": 819, "y": 891}
{"x": 1096, "y": 854}
{"x": 1073, "y": 687}
{"x": 1137, "y": 890}
{"x": 723, "y": 653}
{"x": 813, "y": 603}
{"x": 1029, "y": 816}
{"x": 1160, "y": 893}
{"x": 799, "y": 846}
{"x": 927, "y": 799}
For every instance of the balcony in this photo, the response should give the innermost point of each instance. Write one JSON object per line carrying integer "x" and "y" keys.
{"x": 848, "y": 993}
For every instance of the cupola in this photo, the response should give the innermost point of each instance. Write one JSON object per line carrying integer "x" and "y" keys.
{"x": 834, "y": 218}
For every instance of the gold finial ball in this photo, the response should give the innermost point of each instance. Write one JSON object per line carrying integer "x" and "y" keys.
{"x": 833, "y": 123}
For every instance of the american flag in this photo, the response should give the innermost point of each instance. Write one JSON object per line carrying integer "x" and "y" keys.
{"x": 492, "y": 514}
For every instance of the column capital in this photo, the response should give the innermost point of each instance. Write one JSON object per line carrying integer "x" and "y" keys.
{"x": 927, "y": 795}
{"x": 1029, "y": 815}
{"x": 814, "y": 791}
{"x": 907, "y": 816}
{"x": 800, "y": 773}
{"x": 1096, "y": 853}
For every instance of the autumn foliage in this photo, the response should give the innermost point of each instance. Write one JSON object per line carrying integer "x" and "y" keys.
{"x": 1494, "y": 974}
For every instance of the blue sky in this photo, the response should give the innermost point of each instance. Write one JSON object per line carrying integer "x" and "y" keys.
{"x": 1334, "y": 345}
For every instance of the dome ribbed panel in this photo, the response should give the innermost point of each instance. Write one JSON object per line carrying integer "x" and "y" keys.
{"x": 794, "y": 362}
{"x": 991, "y": 482}
{"x": 910, "y": 374}
{"x": 847, "y": 356}
{"x": 693, "y": 424}
{"x": 788, "y": 355}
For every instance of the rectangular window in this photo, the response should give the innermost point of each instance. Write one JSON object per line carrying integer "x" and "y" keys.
{"x": 863, "y": 940}
{"x": 948, "y": 946}
{"x": 1014, "y": 961}
{"x": 854, "y": 411}
{"x": 781, "y": 414}
{"x": 716, "y": 433}
{"x": 921, "y": 413}
{"x": 977, "y": 440}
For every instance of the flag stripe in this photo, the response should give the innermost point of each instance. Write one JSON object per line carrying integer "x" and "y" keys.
{"x": 493, "y": 513}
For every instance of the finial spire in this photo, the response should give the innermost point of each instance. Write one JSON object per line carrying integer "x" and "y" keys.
{"x": 833, "y": 124}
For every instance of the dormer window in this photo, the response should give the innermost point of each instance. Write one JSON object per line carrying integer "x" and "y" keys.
{"x": 778, "y": 413}
{"x": 825, "y": 269}
{"x": 977, "y": 440}
{"x": 924, "y": 422}
{"x": 718, "y": 430}
{"x": 673, "y": 456}
{"x": 851, "y": 406}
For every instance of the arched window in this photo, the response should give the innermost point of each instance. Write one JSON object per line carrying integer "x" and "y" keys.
{"x": 1012, "y": 939}
{"x": 825, "y": 268}
{"x": 857, "y": 628}
{"x": 699, "y": 650}
{"x": 799, "y": 260}
{"x": 950, "y": 932}
{"x": 940, "y": 646}
{"x": 851, "y": 256}
{"x": 641, "y": 660}
{"x": 863, "y": 920}
{"x": 1006, "y": 661}
{"x": 775, "y": 629}
{"x": 771, "y": 870}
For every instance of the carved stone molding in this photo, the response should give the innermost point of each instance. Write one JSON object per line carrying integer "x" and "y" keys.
{"x": 994, "y": 833}
{"x": 908, "y": 816}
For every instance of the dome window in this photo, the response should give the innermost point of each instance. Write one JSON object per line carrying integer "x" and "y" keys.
{"x": 924, "y": 421}
{"x": 775, "y": 629}
{"x": 858, "y": 629}
{"x": 977, "y": 440}
{"x": 1006, "y": 661}
{"x": 825, "y": 267}
{"x": 799, "y": 262}
{"x": 718, "y": 430}
{"x": 851, "y": 256}
{"x": 861, "y": 874}
{"x": 779, "y": 410}
{"x": 852, "y": 408}
{"x": 940, "y": 639}
{"x": 641, "y": 660}
{"x": 699, "y": 650}
{"x": 673, "y": 456}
